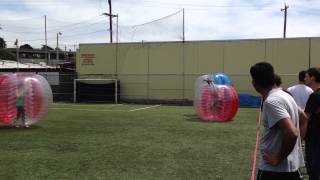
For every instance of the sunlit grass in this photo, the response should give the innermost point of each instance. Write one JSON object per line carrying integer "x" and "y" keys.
{"x": 109, "y": 142}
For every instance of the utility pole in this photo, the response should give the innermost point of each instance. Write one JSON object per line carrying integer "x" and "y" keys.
{"x": 57, "y": 49}
{"x": 285, "y": 19}
{"x": 17, "y": 53}
{"x": 183, "y": 30}
{"x": 117, "y": 28}
{"x": 46, "y": 40}
{"x": 110, "y": 19}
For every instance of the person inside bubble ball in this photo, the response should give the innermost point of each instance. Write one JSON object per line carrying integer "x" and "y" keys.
{"x": 20, "y": 93}
{"x": 217, "y": 102}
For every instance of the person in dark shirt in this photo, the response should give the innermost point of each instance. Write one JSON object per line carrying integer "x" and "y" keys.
{"x": 312, "y": 139}
{"x": 20, "y": 93}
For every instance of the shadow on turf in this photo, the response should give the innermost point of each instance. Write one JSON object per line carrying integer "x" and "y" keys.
{"x": 192, "y": 118}
{"x": 12, "y": 128}
{"x": 195, "y": 118}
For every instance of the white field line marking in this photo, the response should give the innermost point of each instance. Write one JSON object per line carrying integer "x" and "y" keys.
{"x": 97, "y": 110}
{"x": 144, "y": 108}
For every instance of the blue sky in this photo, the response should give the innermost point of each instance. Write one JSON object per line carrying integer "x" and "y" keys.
{"x": 80, "y": 21}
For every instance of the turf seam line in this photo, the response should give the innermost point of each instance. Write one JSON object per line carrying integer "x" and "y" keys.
{"x": 144, "y": 108}
{"x": 81, "y": 105}
{"x": 100, "y": 110}
{"x": 255, "y": 151}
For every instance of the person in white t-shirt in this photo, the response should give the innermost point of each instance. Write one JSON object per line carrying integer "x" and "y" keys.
{"x": 280, "y": 142}
{"x": 300, "y": 92}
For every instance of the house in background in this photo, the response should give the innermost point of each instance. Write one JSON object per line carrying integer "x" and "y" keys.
{"x": 60, "y": 77}
{"x": 27, "y": 54}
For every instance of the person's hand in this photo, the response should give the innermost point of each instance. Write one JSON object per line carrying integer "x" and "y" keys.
{"x": 272, "y": 158}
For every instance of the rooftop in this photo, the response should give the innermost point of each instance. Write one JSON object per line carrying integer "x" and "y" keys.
{"x": 7, "y": 64}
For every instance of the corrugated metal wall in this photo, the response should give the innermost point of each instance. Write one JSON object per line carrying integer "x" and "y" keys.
{"x": 167, "y": 71}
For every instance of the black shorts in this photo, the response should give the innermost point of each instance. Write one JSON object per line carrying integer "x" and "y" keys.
{"x": 269, "y": 175}
{"x": 313, "y": 159}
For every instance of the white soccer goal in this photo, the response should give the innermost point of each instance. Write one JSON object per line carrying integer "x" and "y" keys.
{"x": 95, "y": 83}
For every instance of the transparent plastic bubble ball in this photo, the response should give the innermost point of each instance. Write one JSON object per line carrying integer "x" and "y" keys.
{"x": 35, "y": 92}
{"x": 221, "y": 79}
{"x": 214, "y": 102}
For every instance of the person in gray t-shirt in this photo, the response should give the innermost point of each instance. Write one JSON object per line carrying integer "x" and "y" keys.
{"x": 280, "y": 142}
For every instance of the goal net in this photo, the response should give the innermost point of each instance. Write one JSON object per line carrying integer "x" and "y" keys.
{"x": 168, "y": 28}
{"x": 96, "y": 90}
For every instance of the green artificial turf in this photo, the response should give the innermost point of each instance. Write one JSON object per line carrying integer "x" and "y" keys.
{"x": 81, "y": 141}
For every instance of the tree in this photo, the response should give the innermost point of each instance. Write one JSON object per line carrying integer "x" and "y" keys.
{"x": 2, "y": 43}
{"x": 26, "y": 46}
{"x": 7, "y": 55}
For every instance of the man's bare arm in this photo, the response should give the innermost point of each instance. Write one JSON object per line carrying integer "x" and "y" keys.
{"x": 290, "y": 135}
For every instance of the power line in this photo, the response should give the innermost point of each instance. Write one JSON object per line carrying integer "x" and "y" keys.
{"x": 206, "y": 5}
{"x": 11, "y": 28}
{"x": 23, "y": 32}
{"x": 152, "y": 21}
{"x": 24, "y": 19}
{"x": 76, "y": 23}
{"x": 36, "y": 2}
{"x": 74, "y": 35}
{"x": 70, "y": 28}
{"x": 209, "y": 8}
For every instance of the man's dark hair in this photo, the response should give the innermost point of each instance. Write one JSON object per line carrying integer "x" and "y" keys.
{"x": 314, "y": 72}
{"x": 302, "y": 75}
{"x": 263, "y": 74}
{"x": 277, "y": 80}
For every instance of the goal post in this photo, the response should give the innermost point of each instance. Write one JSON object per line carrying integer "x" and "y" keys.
{"x": 79, "y": 83}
